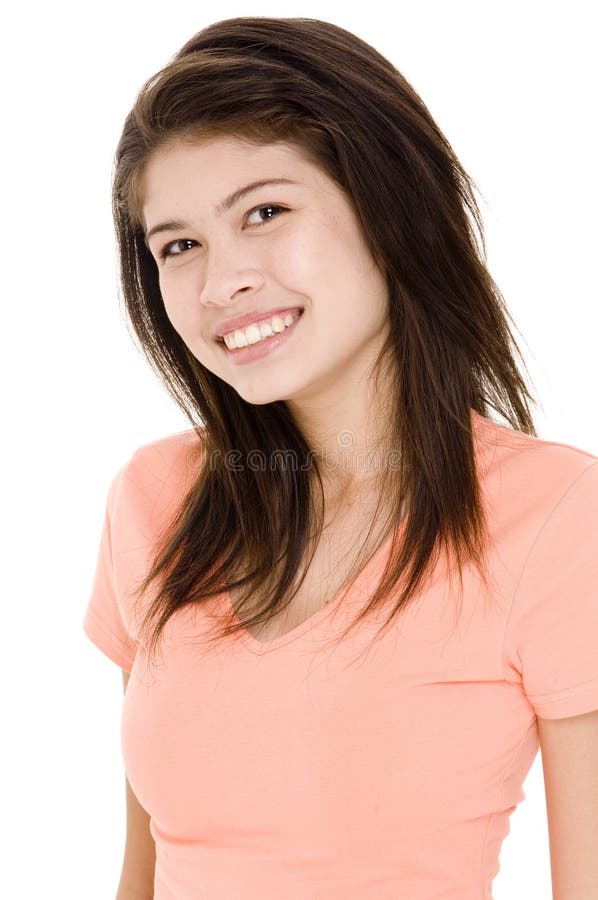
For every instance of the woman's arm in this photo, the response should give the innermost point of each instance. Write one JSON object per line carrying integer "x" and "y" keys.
{"x": 569, "y": 750}
{"x": 137, "y": 876}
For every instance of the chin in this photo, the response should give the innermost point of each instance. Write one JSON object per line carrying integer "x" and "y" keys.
{"x": 259, "y": 397}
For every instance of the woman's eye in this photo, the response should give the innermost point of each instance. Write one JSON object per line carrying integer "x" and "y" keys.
{"x": 166, "y": 251}
{"x": 276, "y": 209}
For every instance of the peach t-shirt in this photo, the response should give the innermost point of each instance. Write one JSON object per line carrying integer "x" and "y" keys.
{"x": 294, "y": 769}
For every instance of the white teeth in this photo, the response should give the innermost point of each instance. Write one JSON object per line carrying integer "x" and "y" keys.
{"x": 238, "y": 339}
{"x": 255, "y": 333}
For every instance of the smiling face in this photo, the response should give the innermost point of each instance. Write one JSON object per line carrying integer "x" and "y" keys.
{"x": 286, "y": 246}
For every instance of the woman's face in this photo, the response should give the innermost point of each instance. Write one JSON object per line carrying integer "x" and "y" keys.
{"x": 286, "y": 246}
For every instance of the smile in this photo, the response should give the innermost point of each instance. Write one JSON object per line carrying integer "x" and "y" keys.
{"x": 255, "y": 342}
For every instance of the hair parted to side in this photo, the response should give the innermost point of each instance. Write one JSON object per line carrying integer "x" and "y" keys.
{"x": 450, "y": 349}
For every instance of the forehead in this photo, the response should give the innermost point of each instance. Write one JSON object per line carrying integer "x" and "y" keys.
{"x": 205, "y": 171}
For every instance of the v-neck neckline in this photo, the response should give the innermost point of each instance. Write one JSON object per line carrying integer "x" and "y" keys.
{"x": 259, "y": 647}
{"x": 479, "y": 422}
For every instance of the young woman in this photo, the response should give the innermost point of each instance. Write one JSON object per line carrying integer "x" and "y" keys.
{"x": 351, "y": 605}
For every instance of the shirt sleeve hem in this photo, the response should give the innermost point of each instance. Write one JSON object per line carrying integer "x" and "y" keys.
{"x": 101, "y": 636}
{"x": 574, "y": 702}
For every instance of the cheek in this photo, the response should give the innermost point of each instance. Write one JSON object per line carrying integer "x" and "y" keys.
{"x": 312, "y": 266}
{"x": 181, "y": 309}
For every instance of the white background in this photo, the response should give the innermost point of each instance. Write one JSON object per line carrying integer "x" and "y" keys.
{"x": 512, "y": 85}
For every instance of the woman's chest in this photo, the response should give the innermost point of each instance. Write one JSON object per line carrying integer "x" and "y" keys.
{"x": 293, "y": 738}
{"x": 338, "y": 559}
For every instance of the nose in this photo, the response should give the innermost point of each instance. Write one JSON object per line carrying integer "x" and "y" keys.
{"x": 223, "y": 282}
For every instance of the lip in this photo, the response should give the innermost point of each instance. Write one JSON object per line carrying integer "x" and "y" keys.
{"x": 272, "y": 346}
{"x": 252, "y": 317}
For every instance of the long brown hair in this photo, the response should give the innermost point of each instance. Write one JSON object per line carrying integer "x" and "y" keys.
{"x": 320, "y": 88}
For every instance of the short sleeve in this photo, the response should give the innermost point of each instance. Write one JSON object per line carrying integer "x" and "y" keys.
{"x": 105, "y": 618}
{"x": 552, "y": 631}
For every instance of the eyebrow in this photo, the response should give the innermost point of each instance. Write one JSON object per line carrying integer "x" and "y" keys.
{"x": 220, "y": 208}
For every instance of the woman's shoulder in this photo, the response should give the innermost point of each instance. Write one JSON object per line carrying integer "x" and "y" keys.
{"x": 172, "y": 454}
{"x": 158, "y": 473}
{"x": 536, "y": 458}
{"x": 170, "y": 445}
